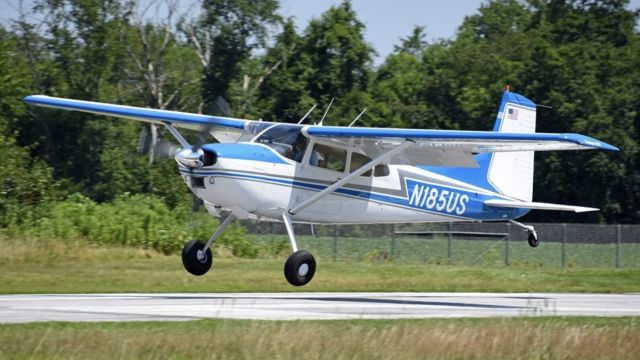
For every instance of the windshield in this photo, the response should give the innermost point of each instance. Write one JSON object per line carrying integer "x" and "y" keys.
{"x": 286, "y": 140}
{"x": 253, "y": 128}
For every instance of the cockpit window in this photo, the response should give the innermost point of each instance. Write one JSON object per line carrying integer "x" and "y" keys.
{"x": 286, "y": 140}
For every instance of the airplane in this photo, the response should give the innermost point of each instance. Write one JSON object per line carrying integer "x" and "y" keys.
{"x": 297, "y": 173}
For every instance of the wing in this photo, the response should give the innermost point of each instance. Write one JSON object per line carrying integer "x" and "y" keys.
{"x": 222, "y": 128}
{"x": 449, "y": 147}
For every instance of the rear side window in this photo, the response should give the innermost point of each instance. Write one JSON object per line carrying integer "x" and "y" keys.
{"x": 381, "y": 170}
{"x": 328, "y": 157}
{"x": 357, "y": 161}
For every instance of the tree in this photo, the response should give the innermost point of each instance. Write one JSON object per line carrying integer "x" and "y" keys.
{"x": 161, "y": 70}
{"x": 283, "y": 96}
{"x": 413, "y": 44}
{"x": 233, "y": 30}
{"x": 339, "y": 57}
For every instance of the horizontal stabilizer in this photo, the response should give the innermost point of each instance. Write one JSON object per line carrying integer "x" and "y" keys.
{"x": 536, "y": 206}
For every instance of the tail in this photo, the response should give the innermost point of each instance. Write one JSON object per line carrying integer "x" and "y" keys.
{"x": 511, "y": 173}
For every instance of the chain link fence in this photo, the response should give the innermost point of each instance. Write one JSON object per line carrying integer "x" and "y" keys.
{"x": 480, "y": 244}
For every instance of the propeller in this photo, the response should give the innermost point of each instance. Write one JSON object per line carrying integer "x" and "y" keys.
{"x": 201, "y": 158}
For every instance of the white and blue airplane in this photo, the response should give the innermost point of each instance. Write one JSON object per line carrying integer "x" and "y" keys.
{"x": 298, "y": 173}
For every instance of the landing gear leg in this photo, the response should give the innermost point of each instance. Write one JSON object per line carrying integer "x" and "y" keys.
{"x": 532, "y": 237}
{"x": 301, "y": 265}
{"x": 196, "y": 255}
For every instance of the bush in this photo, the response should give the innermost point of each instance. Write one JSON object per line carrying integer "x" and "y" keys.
{"x": 26, "y": 187}
{"x": 136, "y": 220}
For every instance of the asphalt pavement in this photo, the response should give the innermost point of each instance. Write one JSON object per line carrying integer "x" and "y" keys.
{"x": 295, "y": 306}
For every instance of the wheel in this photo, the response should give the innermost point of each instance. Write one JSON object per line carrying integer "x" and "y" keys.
{"x": 300, "y": 268}
{"x": 194, "y": 259}
{"x": 533, "y": 239}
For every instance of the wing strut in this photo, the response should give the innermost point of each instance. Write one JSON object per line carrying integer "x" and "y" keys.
{"x": 368, "y": 166}
{"x": 176, "y": 134}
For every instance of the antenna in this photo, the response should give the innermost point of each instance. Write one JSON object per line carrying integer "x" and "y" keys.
{"x": 544, "y": 106}
{"x": 307, "y": 114}
{"x": 326, "y": 111}
{"x": 357, "y": 117}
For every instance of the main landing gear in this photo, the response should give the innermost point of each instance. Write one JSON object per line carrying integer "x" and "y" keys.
{"x": 298, "y": 270}
{"x": 301, "y": 265}
{"x": 532, "y": 237}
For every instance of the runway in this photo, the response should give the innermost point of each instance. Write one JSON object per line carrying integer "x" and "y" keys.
{"x": 295, "y": 306}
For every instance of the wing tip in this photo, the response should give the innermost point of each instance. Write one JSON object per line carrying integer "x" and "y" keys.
{"x": 590, "y": 142}
{"x": 585, "y": 209}
{"x": 30, "y": 98}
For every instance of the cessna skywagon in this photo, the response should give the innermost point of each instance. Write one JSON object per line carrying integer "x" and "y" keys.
{"x": 297, "y": 173}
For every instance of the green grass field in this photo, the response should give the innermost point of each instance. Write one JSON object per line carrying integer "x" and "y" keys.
{"x": 54, "y": 266}
{"x": 32, "y": 266}
{"x": 493, "y": 338}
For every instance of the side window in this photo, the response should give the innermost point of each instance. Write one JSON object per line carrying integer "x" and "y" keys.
{"x": 328, "y": 157}
{"x": 357, "y": 161}
{"x": 381, "y": 170}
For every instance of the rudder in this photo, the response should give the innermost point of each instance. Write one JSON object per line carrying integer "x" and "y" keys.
{"x": 511, "y": 173}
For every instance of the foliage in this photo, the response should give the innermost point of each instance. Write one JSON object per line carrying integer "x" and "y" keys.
{"x": 27, "y": 188}
{"x": 135, "y": 220}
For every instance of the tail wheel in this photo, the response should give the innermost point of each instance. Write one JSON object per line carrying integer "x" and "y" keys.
{"x": 300, "y": 268}
{"x": 533, "y": 239}
{"x": 195, "y": 260}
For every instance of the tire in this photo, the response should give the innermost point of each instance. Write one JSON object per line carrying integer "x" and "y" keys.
{"x": 190, "y": 259}
{"x": 533, "y": 240}
{"x": 300, "y": 268}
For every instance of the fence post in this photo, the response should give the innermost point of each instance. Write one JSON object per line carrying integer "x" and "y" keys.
{"x": 564, "y": 245}
{"x": 335, "y": 241}
{"x": 618, "y": 241}
{"x": 393, "y": 240}
{"x": 506, "y": 245}
{"x": 449, "y": 238}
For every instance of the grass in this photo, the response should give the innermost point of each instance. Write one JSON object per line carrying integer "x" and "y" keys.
{"x": 53, "y": 266}
{"x": 493, "y": 338}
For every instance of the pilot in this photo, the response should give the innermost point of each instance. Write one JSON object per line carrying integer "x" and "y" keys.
{"x": 299, "y": 146}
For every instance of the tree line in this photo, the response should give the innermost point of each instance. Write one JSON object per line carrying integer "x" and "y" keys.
{"x": 578, "y": 58}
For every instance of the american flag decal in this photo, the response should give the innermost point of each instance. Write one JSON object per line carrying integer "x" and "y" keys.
{"x": 512, "y": 114}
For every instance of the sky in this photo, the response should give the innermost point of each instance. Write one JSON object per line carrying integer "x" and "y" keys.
{"x": 386, "y": 21}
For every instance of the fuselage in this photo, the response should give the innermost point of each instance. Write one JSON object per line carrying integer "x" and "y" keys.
{"x": 255, "y": 181}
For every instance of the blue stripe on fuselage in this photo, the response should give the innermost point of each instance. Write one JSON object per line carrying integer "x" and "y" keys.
{"x": 474, "y": 208}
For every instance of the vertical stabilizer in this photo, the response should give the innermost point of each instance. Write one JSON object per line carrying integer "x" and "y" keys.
{"x": 511, "y": 173}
